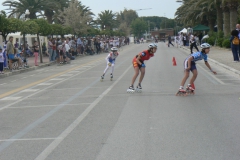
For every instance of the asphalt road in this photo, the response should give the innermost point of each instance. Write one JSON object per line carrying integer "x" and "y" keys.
{"x": 66, "y": 113}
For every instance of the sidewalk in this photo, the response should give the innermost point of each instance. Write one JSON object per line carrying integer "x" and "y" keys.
{"x": 31, "y": 66}
{"x": 222, "y": 57}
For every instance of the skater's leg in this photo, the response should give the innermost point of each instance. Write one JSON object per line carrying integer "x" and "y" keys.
{"x": 112, "y": 68}
{"x": 186, "y": 75}
{"x": 142, "y": 70}
{"x": 136, "y": 69}
{"x": 106, "y": 69}
{"x": 195, "y": 73}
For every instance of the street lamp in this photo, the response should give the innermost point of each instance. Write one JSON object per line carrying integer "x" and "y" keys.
{"x": 27, "y": 13}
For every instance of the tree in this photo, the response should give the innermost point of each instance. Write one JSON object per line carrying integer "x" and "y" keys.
{"x": 138, "y": 27}
{"x": 107, "y": 19}
{"x": 56, "y": 5}
{"x": 19, "y": 8}
{"x": 28, "y": 27}
{"x": 44, "y": 30}
{"x": 78, "y": 22}
{"x": 125, "y": 18}
{"x": 8, "y": 25}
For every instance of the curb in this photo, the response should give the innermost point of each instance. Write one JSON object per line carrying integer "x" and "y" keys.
{"x": 25, "y": 70}
{"x": 220, "y": 64}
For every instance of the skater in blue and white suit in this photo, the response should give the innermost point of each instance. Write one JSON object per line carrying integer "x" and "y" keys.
{"x": 190, "y": 65}
{"x": 111, "y": 58}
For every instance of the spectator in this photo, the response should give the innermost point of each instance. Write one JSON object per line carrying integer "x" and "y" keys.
{"x": 54, "y": 50}
{"x": 10, "y": 52}
{"x": 79, "y": 45}
{"x": 235, "y": 45}
{"x": 50, "y": 50}
{"x": 1, "y": 61}
{"x": 35, "y": 50}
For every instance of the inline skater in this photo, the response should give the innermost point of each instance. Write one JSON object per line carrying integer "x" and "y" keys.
{"x": 190, "y": 65}
{"x": 111, "y": 58}
{"x": 138, "y": 65}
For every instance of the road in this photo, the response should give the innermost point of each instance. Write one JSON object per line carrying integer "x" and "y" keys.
{"x": 66, "y": 113}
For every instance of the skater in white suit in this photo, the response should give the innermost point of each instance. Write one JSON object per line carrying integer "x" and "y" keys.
{"x": 111, "y": 58}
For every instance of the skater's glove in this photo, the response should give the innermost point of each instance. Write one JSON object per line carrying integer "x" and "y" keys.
{"x": 109, "y": 64}
{"x": 143, "y": 65}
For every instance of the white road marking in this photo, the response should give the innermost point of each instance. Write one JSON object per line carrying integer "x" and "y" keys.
{"x": 14, "y": 81}
{"x": 23, "y": 77}
{"x": 10, "y": 98}
{"x": 48, "y": 106}
{"x": 66, "y": 75}
{"x": 44, "y": 84}
{"x": 30, "y": 139}
{"x": 3, "y": 83}
{"x": 70, "y": 128}
{"x": 56, "y": 79}
{"x": 29, "y": 90}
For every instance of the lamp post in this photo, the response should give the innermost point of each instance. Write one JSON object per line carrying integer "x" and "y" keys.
{"x": 27, "y": 13}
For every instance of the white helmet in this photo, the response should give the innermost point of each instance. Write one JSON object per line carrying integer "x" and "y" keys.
{"x": 152, "y": 45}
{"x": 205, "y": 45}
{"x": 114, "y": 49}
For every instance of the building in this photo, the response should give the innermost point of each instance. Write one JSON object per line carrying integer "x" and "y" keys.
{"x": 162, "y": 34}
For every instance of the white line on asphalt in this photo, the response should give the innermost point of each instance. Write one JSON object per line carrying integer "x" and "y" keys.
{"x": 10, "y": 98}
{"x": 70, "y": 128}
{"x": 29, "y": 90}
{"x": 14, "y": 81}
{"x": 32, "y": 75}
{"x": 41, "y": 90}
{"x": 48, "y": 106}
{"x": 44, "y": 84}
{"x": 3, "y": 83}
{"x": 30, "y": 139}
{"x": 56, "y": 79}
{"x": 66, "y": 75}
{"x": 23, "y": 77}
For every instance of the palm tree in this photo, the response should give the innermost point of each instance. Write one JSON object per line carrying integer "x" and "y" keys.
{"x": 233, "y": 6}
{"x": 107, "y": 19}
{"x": 19, "y": 7}
{"x": 226, "y": 18}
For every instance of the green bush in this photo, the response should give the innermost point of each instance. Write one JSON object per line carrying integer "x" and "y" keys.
{"x": 220, "y": 34}
{"x": 226, "y": 43}
{"x": 220, "y": 42}
{"x": 211, "y": 41}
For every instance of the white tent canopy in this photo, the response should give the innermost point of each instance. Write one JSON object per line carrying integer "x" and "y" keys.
{"x": 184, "y": 30}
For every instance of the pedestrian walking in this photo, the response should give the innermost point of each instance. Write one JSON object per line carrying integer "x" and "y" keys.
{"x": 193, "y": 43}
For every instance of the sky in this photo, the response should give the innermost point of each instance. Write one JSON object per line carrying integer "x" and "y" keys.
{"x": 161, "y": 8}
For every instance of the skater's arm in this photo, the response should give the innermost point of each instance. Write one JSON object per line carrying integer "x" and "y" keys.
{"x": 209, "y": 67}
{"x": 138, "y": 60}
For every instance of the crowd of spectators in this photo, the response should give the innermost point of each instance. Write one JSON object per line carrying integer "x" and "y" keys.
{"x": 62, "y": 50}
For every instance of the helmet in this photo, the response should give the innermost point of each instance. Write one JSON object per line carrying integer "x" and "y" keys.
{"x": 205, "y": 45}
{"x": 152, "y": 45}
{"x": 114, "y": 49}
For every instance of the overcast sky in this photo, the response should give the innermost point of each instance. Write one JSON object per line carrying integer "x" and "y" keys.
{"x": 160, "y": 8}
